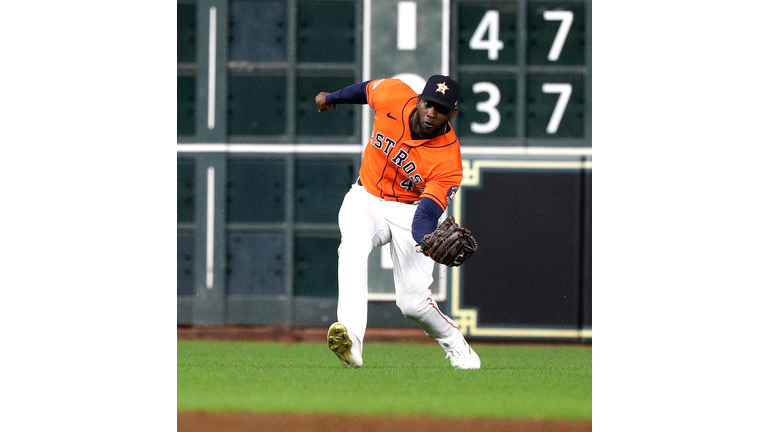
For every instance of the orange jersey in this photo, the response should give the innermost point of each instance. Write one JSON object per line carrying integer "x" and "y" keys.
{"x": 398, "y": 168}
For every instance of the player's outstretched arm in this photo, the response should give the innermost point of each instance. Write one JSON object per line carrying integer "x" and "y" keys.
{"x": 354, "y": 94}
{"x": 322, "y": 105}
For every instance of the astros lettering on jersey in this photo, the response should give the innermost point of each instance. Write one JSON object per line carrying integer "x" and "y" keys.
{"x": 397, "y": 167}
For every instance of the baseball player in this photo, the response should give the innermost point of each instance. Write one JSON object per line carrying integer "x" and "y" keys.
{"x": 410, "y": 171}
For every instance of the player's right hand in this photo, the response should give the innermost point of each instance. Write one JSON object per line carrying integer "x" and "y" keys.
{"x": 322, "y": 105}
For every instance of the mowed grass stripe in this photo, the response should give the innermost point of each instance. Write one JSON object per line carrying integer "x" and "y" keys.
{"x": 547, "y": 382}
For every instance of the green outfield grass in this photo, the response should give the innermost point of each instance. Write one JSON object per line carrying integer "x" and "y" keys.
{"x": 544, "y": 382}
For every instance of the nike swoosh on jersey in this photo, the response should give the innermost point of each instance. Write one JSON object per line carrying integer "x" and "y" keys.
{"x": 390, "y": 116}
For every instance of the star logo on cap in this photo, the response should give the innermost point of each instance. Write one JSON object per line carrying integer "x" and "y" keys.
{"x": 442, "y": 88}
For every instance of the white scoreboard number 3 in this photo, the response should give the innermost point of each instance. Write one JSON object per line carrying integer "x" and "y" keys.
{"x": 486, "y": 37}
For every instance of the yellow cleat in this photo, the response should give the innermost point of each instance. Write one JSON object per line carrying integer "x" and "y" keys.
{"x": 346, "y": 347}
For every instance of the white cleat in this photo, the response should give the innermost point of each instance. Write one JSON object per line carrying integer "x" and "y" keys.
{"x": 345, "y": 346}
{"x": 464, "y": 357}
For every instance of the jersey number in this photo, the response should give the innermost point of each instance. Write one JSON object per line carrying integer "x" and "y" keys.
{"x": 409, "y": 183}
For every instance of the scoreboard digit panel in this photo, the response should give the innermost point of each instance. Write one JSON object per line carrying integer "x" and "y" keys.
{"x": 315, "y": 43}
{"x": 488, "y": 34}
{"x": 257, "y": 31}
{"x": 555, "y": 106}
{"x": 186, "y": 39}
{"x": 487, "y": 106}
{"x": 556, "y": 33}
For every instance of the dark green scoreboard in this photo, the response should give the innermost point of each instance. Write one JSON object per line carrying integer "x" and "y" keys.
{"x": 261, "y": 174}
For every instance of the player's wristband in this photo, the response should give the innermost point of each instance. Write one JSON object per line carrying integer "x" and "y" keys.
{"x": 425, "y": 219}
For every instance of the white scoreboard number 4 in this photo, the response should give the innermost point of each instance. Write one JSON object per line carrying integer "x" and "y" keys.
{"x": 489, "y": 25}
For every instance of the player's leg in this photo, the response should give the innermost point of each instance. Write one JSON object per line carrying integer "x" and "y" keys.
{"x": 361, "y": 230}
{"x": 413, "y": 276}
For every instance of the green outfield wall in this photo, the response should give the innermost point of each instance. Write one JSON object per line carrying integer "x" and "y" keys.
{"x": 261, "y": 176}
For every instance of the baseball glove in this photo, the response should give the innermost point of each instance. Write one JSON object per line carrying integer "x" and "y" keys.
{"x": 449, "y": 244}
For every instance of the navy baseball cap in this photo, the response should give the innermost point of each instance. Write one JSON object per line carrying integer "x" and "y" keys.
{"x": 442, "y": 90}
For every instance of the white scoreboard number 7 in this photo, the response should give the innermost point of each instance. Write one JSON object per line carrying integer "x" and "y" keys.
{"x": 562, "y": 101}
{"x": 486, "y": 37}
{"x": 566, "y": 19}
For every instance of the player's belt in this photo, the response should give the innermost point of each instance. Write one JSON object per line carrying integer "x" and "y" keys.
{"x": 359, "y": 183}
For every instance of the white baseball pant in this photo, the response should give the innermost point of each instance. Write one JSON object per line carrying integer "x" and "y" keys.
{"x": 367, "y": 221}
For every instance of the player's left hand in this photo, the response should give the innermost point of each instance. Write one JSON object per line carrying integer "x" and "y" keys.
{"x": 449, "y": 244}
{"x": 322, "y": 105}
